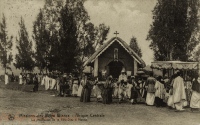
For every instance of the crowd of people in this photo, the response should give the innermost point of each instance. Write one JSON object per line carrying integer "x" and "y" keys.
{"x": 173, "y": 92}
{"x": 158, "y": 91}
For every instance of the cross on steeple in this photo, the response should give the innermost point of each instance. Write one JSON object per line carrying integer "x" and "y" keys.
{"x": 116, "y": 33}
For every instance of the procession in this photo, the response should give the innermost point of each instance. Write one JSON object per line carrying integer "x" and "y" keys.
{"x": 100, "y": 61}
{"x": 173, "y": 92}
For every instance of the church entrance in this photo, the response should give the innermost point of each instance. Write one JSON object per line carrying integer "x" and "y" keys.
{"x": 115, "y": 68}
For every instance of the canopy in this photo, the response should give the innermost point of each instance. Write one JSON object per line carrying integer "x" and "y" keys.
{"x": 174, "y": 65}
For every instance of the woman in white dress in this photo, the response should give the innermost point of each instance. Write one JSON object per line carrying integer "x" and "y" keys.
{"x": 20, "y": 79}
{"x": 80, "y": 88}
{"x": 75, "y": 87}
{"x": 6, "y": 78}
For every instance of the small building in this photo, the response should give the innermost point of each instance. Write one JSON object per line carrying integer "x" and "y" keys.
{"x": 112, "y": 57}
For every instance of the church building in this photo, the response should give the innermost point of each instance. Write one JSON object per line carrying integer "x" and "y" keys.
{"x": 113, "y": 57}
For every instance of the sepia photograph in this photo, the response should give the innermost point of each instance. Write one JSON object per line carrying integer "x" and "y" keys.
{"x": 99, "y": 62}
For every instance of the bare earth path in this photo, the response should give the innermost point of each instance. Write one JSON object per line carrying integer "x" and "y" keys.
{"x": 29, "y": 103}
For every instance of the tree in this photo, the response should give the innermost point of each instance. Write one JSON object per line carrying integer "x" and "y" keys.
{"x": 172, "y": 29}
{"x": 40, "y": 38}
{"x": 69, "y": 46}
{"x": 24, "y": 58}
{"x": 194, "y": 26}
{"x": 134, "y": 45}
{"x": 90, "y": 37}
{"x": 102, "y": 32}
{"x": 70, "y": 38}
{"x": 196, "y": 54}
{"x": 5, "y": 45}
{"x": 46, "y": 35}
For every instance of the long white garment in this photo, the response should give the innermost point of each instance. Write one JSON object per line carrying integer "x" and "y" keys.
{"x": 80, "y": 88}
{"x": 180, "y": 105}
{"x": 150, "y": 98}
{"x": 170, "y": 101}
{"x": 20, "y": 79}
{"x": 75, "y": 88}
{"x": 50, "y": 83}
{"x": 97, "y": 92}
{"x": 122, "y": 91}
{"x": 128, "y": 90}
{"x": 53, "y": 83}
{"x": 179, "y": 95}
{"x": 43, "y": 80}
{"x": 122, "y": 77}
{"x": 46, "y": 83}
{"x": 159, "y": 90}
{"x": 195, "y": 100}
{"x": 6, "y": 79}
{"x": 58, "y": 84}
{"x": 116, "y": 90}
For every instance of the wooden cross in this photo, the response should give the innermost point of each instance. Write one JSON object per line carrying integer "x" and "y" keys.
{"x": 116, "y": 33}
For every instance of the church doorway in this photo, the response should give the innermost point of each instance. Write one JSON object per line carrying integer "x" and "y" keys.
{"x": 115, "y": 68}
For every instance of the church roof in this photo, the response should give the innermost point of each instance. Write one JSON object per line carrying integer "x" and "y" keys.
{"x": 101, "y": 49}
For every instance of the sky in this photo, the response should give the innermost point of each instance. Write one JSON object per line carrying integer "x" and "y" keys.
{"x": 128, "y": 17}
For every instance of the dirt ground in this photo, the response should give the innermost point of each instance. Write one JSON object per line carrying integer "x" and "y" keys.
{"x": 31, "y": 108}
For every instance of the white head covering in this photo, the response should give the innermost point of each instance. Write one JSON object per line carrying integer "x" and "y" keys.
{"x": 123, "y": 70}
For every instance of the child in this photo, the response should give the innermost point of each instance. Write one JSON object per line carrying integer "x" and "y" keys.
{"x": 116, "y": 88}
{"x": 134, "y": 92}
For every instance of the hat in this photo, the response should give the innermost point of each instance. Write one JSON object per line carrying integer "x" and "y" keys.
{"x": 123, "y": 70}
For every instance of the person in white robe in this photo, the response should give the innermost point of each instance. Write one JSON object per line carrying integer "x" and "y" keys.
{"x": 159, "y": 93}
{"x": 179, "y": 95}
{"x": 46, "y": 82}
{"x": 43, "y": 79}
{"x": 116, "y": 89}
{"x": 20, "y": 79}
{"x": 122, "y": 85}
{"x": 53, "y": 84}
{"x": 98, "y": 87}
{"x": 128, "y": 88}
{"x": 6, "y": 78}
{"x": 75, "y": 87}
{"x": 150, "y": 90}
{"x": 80, "y": 88}
{"x": 195, "y": 99}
